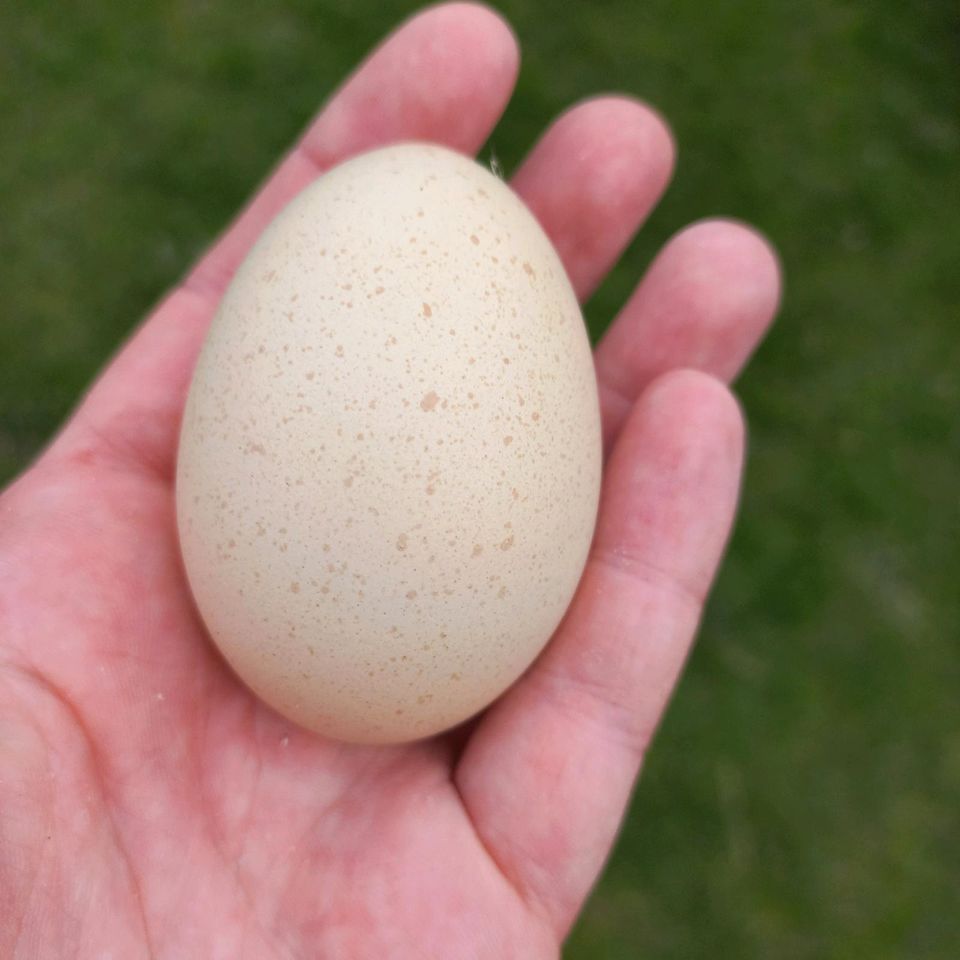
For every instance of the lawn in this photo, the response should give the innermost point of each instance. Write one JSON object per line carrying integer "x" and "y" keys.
{"x": 803, "y": 797}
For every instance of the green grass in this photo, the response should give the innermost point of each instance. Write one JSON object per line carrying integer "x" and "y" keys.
{"x": 803, "y": 798}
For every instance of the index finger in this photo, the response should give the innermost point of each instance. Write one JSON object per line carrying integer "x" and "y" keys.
{"x": 444, "y": 76}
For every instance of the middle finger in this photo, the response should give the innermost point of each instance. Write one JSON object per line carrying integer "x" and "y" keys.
{"x": 593, "y": 178}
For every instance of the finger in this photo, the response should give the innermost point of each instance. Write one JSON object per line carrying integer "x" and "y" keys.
{"x": 705, "y": 303}
{"x": 593, "y": 178}
{"x": 548, "y": 773}
{"x": 443, "y": 76}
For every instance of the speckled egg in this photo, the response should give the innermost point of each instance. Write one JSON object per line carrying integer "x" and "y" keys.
{"x": 390, "y": 458}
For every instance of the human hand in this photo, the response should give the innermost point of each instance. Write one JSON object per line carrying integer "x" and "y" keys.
{"x": 150, "y": 806}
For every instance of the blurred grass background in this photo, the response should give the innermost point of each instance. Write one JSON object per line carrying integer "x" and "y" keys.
{"x": 803, "y": 797}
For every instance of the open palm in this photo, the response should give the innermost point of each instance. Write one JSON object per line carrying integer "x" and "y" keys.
{"x": 150, "y": 806}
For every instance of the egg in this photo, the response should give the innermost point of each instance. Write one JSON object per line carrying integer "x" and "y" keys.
{"x": 390, "y": 456}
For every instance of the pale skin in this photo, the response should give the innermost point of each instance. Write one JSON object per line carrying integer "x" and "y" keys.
{"x": 150, "y": 806}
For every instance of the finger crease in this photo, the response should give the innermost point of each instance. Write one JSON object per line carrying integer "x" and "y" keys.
{"x": 607, "y": 707}
{"x": 639, "y": 567}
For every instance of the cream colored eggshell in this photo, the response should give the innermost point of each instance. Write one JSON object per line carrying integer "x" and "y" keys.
{"x": 390, "y": 459}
